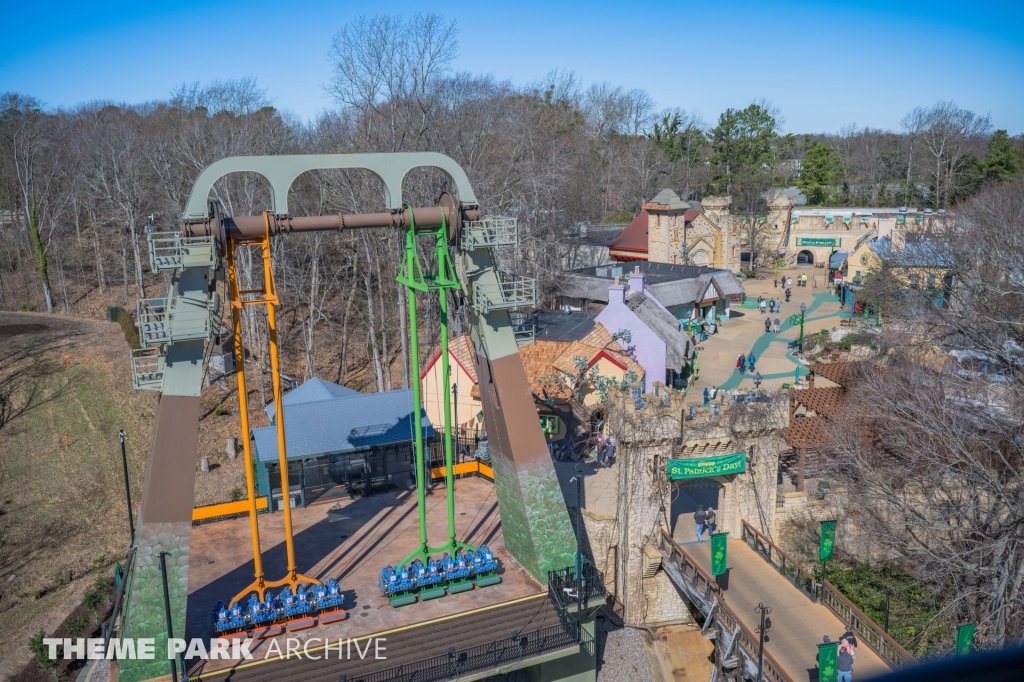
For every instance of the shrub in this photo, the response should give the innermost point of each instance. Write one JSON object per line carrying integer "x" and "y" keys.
{"x": 92, "y": 600}
{"x": 76, "y": 625}
{"x": 857, "y": 339}
{"x": 41, "y": 652}
{"x": 131, "y": 333}
{"x": 750, "y": 274}
{"x": 236, "y": 494}
{"x": 220, "y": 410}
{"x": 27, "y": 307}
{"x": 105, "y": 584}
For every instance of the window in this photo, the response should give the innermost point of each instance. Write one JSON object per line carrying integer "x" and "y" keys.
{"x": 549, "y": 424}
{"x": 915, "y": 280}
{"x": 931, "y": 281}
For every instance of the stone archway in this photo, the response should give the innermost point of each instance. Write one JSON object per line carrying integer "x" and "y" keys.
{"x": 805, "y": 257}
{"x": 700, "y": 257}
{"x": 687, "y": 497}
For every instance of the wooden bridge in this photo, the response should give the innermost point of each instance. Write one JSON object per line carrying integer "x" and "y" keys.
{"x": 803, "y": 610}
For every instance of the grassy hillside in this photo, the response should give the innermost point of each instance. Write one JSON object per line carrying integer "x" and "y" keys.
{"x": 65, "y": 391}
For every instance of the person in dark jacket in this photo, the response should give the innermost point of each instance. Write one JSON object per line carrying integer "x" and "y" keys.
{"x": 845, "y": 661}
{"x": 709, "y": 520}
{"x": 699, "y": 521}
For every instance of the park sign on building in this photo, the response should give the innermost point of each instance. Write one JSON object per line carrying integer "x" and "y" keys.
{"x": 699, "y": 467}
{"x": 819, "y": 241}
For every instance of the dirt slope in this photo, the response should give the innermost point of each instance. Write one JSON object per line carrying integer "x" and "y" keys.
{"x": 62, "y": 507}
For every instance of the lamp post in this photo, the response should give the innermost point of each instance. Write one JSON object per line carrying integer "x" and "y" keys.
{"x": 766, "y": 625}
{"x": 887, "y": 591}
{"x": 803, "y": 310}
{"x": 127, "y": 489}
{"x": 578, "y": 478}
{"x": 167, "y": 615}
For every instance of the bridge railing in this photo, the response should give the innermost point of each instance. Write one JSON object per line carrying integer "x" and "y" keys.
{"x": 789, "y": 569}
{"x": 855, "y": 619}
{"x": 705, "y": 584}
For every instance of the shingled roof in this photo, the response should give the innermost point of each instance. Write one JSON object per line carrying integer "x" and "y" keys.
{"x": 806, "y": 432}
{"x": 594, "y": 344}
{"x": 633, "y": 237}
{"x": 312, "y": 391}
{"x": 825, "y": 402}
{"x": 537, "y": 358}
{"x": 343, "y": 424}
{"x": 678, "y": 345}
{"x": 840, "y": 373}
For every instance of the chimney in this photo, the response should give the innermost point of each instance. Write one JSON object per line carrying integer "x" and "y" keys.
{"x": 898, "y": 240}
{"x": 616, "y": 294}
{"x": 636, "y": 280}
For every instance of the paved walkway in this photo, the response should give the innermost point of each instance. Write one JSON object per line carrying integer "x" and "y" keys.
{"x": 744, "y": 332}
{"x": 798, "y": 624}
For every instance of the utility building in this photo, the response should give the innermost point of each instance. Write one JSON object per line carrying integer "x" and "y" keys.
{"x": 338, "y": 437}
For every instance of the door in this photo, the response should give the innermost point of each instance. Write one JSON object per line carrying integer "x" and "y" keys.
{"x": 687, "y": 498}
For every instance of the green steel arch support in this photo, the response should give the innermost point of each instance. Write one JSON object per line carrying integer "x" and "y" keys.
{"x": 281, "y": 171}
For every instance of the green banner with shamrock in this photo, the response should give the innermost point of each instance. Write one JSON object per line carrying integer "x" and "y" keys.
{"x": 718, "y": 553}
{"x": 827, "y": 541}
{"x": 828, "y": 662}
{"x": 964, "y": 639}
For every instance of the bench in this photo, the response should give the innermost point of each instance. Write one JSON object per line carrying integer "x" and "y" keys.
{"x": 847, "y": 323}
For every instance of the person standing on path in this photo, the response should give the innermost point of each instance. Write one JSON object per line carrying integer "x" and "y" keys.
{"x": 741, "y": 363}
{"x": 803, "y": 280}
{"x": 757, "y": 380}
{"x": 777, "y": 324}
{"x": 778, "y": 305}
{"x": 845, "y": 662}
{"x": 760, "y": 305}
{"x": 750, "y": 361}
{"x": 707, "y": 395}
{"x": 699, "y": 521}
{"x": 709, "y": 521}
{"x": 767, "y": 325}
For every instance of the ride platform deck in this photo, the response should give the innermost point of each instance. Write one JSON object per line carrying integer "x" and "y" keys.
{"x": 351, "y": 540}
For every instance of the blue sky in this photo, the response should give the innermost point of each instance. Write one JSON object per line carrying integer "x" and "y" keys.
{"x": 826, "y": 65}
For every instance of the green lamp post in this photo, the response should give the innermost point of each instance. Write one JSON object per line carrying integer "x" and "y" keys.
{"x": 795, "y": 320}
{"x": 803, "y": 310}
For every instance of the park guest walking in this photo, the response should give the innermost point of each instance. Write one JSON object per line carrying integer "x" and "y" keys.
{"x": 750, "y": 361}
{"x": 707, "y": 395}
{"x": 767, "y": 325}
{"x": 777, "y": 324}
{"x": 845, "y": 662}
{"x": 760, "y": 305}
{"x": 709, "y": 521}
{"x": 699, "y": 522}
{"x": 757, "y": 380}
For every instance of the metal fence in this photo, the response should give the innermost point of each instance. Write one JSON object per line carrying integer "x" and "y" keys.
{"x": 510, "y": 291}
{"x": 170, "y": 251}
{"x": 490, "y": 232}
{"x": 564, "y": 589}
{"x": 463, "y": 662}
